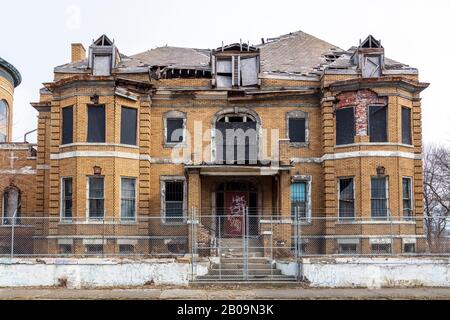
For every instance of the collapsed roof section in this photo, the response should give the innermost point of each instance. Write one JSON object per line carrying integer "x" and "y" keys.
{"x": 293, "y": 54}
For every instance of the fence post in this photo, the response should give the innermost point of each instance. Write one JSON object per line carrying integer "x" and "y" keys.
{"x": 12, "y": 233}
{"x": 219, "y": 250}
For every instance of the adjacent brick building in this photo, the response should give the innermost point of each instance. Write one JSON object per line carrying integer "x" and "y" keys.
{"x": 333, "y": 137}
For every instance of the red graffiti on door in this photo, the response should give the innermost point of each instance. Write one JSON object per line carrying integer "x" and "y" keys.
{"x": 235, "y": 205}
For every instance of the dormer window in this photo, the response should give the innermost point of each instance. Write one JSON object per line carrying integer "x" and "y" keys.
{"x": 103, "y": 56}
{"x": 370, "y": 58}
{"x": 236, "y": 65}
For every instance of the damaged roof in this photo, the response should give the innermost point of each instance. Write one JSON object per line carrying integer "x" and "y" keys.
{"x": 295, "y": 53}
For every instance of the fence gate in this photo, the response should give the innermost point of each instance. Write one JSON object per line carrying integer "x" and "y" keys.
{"x": 240, "y": 248}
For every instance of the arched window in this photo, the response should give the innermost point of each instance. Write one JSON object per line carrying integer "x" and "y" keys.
{"x": 236, "y": 138}
{"x": 4, "y": 109}
{"x": 11, "y": 204}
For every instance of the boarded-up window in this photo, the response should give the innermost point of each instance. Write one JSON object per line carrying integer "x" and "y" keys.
{"x": 96, "y": 123}
{"x": 379, "y": 197}
{"x": 297, "y": 130}
{"x": 67, "y": 125}
{"x": 128, "y": 126}
{"x": 346, "y": 198}
{"x": 345, "y": 126}
{"x": 406, "y": 126}
{"x": 175, "y": 130}
{"x": 224, "y": 70}
{"x": 371, "y": 67}
{"x": 249, "y": 71}
{"x": 96, "y": 197}
{"x": 102, "y": 65}
{"x": 378, "y": 123}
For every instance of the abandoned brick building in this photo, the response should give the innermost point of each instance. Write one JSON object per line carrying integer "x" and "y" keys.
{"x": 335, "y": 142}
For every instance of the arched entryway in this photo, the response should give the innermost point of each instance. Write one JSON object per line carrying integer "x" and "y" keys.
{"x": 11, "y": 204}
{"x": 237, "y": 203}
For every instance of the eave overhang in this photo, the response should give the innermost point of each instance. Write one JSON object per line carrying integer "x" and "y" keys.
{"x": 12, "y": 71}
{"x": 369, "y": 83}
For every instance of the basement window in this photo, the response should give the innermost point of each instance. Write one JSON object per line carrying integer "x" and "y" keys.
{"x": 65, "y": 249}
{"x": 67, "y": 125}
{"x": 409, "y": 248}
{"x": 406, "y": 126}
{"x": 94, "y": 249}
{"x": 345, "y": 126}
{"x": 381, "y": 248}
{"x": 128, "y": 126}
{"x": 348, "y": 248}
{"x": 378, "y": 123}
{"x": 96, "y": 123}
{"x": 126, "y": 249}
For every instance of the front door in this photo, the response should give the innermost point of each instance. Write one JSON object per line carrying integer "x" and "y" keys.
{"x": 236, "y": 204}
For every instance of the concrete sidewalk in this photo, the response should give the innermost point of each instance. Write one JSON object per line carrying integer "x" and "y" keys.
{"x": 224, "y": 293}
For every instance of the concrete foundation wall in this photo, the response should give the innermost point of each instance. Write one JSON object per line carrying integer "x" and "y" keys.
{"x": 91, "y": 273}
{"x": 373, "y": 272}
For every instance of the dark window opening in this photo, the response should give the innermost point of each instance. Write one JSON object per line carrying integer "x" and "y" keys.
{"x": 174, "y": 201}
{"x": 346, "y": 198}
{"x": 65, "y": 249}
{"x": 175, "y": 130}
{"x": 406, "y": 126}
{"x": 67, "y": 125}
{"x": 378, "y": 123}
{"x": 348, "y": 248}
{"x": 96, "y": 123}
{"x": 126, "y": 249}
{"x": 94, "y": 249}
{"x": 381, "y": 248}
{"x": 379, "y": 197}
{"x": 67, "y": 198}
{"x": 96, "y": 198}
{"x": 345, "y": 126}
{"x": 409, "y": 248}
{"x": 128, "y": 126}
{"x": 407, "y": 198}
{"x": 297, "y": 130}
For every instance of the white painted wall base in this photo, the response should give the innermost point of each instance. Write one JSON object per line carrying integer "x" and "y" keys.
{"x": 373, "y": 272}
{"x": 91, "y": 273}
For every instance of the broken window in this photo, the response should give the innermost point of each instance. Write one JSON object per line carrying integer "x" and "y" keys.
{"x": 174, "y": 195}
{"x": 406, "y": 126}
{"x": 67, "y": 198}
{"x": 126, "y": 249}
{"x": 102, "y": 65}
{"x": 346, "y": 198}
{"x": 345, "y": 126}
{"x": 379, "y": 197}
{"x": 96, "y": 123}
{"x": 67, "y": 125}
{"x": 297, "y": 130}
{"x": 94, "y": 249}
{"x": 128, "y": 126}
{"x": 378, "y": 123}
{"x": 409, "y": 248}
{"x": 371, "y": 67}
{"x": 3, "y": 120}
{"x": 96, "y": 199}
{"x": 236, "y": 140}
{"x": 407, "y": 198}
{"x": 299, "y": 199}
{"x": 11, "y": 205}
{"x": 128, "y": 199}
{"x": 175, "y": 130}
{"x": 237, "y": 70}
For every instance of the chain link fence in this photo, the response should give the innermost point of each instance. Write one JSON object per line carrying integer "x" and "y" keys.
{"x": 253, "y": 235}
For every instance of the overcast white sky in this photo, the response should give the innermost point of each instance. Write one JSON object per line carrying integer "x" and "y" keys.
{"x": 39, "y": 34}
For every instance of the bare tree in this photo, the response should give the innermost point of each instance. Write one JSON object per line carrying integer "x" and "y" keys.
{"x": 437, "y": 195}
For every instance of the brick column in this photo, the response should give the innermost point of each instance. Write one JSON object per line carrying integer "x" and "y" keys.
{"x": 193, "y": 201}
